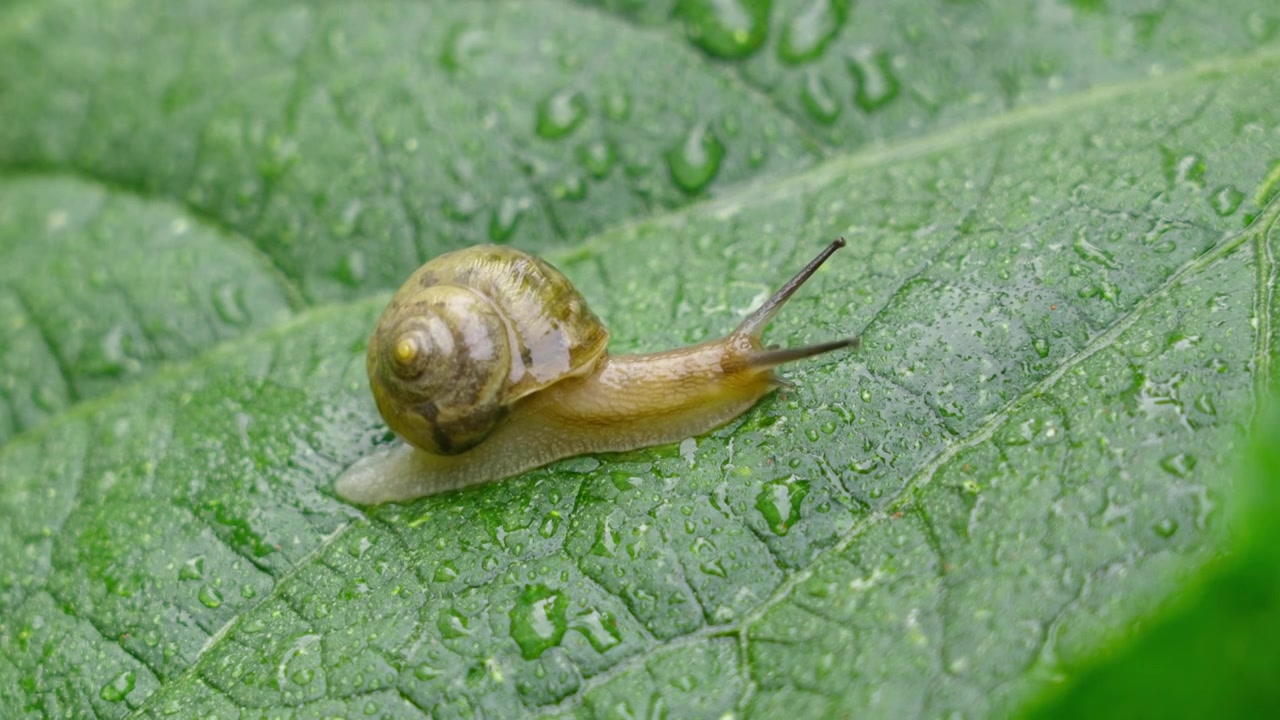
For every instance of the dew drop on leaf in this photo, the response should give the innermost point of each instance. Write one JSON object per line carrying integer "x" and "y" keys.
{"x": 696, "y": 160}
{"x": 617, "y": 106}
{"x": 606, "y": 540}
{"x": 779, "y": 503}
{"x": 453, "y": 624}
{"x": 572, "y": 187}
{"x": 806, "y": 35}
{"x": 1183, "y": 169}
{"x": 597, "y": 158}
{"x": 462, "y": 206}
{"x": 1225, "y": 200}
{"x": 1180, "y": 464}
{"x": 461, "y": 45}
{"x": 1041, "y": 346}
{"x": 872, "y": 71}
{"x": 192, "y": 569}
{"x": 600, "y": 629}
{"x": 505, "y": 219}
{"x": 818, "y": 99}
{"x": 445, "y": 572}
{"x": 1166, "y": 527}
{"x": 119, "y": 687}
{"x": 210, "y": 597}
{"x": 538, "y": 620}
{"x": 1091, "y": 252}
{"x": 228, "y": 303}
{"x": 727, "y": 29}
{"x": 550, "y": 525}
{"x": 560, "y": 114}
{"x": 351, "y": 269}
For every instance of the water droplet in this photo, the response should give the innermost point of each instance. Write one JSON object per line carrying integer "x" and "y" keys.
{"x": 445, "y": 572}
{"x": 1041, "y": 346}
{"x": 453, "y": 624}
{"x": 779, "y": 502}
{"x": 572, "y": 187}
{"x": 1226, "y": 200}
{"x": 818, "y": 99}
{"x": 359, "y": 546}
{"x": 505, "y": 219}
{"x": 1180, "y": 464}
{"x": 1183, "y": 169}
{"x": 695, "y": 162}
{"x": 725, "y": 28}
{"x": 872, "y": 71}
{"x": 210, "y": 597}
{"x": 600, "y": 629}
{"x": 119, "y": 687}
{"x": 538, "y": 620}
{"x": 597, "y": 158}
{"x": 192, "y": 569}
{"x": 1204, "y": 404}
{"x": 715, "y": 568}
{"x": 617, "y": 106}
{"x": 560, "y": 114}
{"x": 351, "y": 269}
{"x": 806, "y": 35}
{"x": 1166, "y": 527}
{"x": 1091, "y": 252}
{"x": 228, "y": 303}
{"x": 463, "y": 206}
{"x": 461, "y": 45}
{"x": 117, "y": 347}
{"x": 550, "y": 525}
{"x": 606, "y": 540}
{"x": 689, "y": 451}
{"x": 303, "y": 676}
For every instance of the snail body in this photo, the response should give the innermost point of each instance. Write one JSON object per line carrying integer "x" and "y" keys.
{"x": 488, "y": 363}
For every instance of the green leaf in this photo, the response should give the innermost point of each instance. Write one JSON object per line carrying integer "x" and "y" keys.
{"x": 1064, "y": 294}
{"x": 1216, "y": 651}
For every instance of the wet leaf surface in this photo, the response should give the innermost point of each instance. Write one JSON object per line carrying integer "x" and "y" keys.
{"x": 1065, "y": 299}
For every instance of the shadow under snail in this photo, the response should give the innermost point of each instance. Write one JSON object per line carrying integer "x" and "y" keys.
{"x": 488, "y": 363}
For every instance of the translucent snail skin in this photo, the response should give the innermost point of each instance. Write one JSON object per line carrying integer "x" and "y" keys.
{"x": 488, "y": 363}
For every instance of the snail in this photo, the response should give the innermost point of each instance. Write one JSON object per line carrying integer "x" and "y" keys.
{"x": 488, "y": 363}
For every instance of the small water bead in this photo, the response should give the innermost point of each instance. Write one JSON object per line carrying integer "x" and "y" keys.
{"x": 807, "y": 34}
{"x": 779, "y": 503}
{"x": 695, "y": 162}
{"x": 872, "y": 71}
{"x": 560, "y": 114}
{"x": 597, "y": 158}
{"x": 1226, "y": 200}
{"x": 818, "y": 99}
{"x": 505, "y": 218}
{"x": 210, "y": 597}
{"x": 1179, "y": 465}
{"x": 727, "y": 29}
{"x": 118, "y": 688}
{"x": 1187, "y": 169}
{"x": 538, "y": 620}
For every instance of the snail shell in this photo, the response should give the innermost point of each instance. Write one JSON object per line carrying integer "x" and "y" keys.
{"x": 469, "y": 334}
{"x": 488, "y": 362}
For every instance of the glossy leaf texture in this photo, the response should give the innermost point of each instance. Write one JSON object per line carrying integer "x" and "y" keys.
{"x": 1065, "y": 297}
